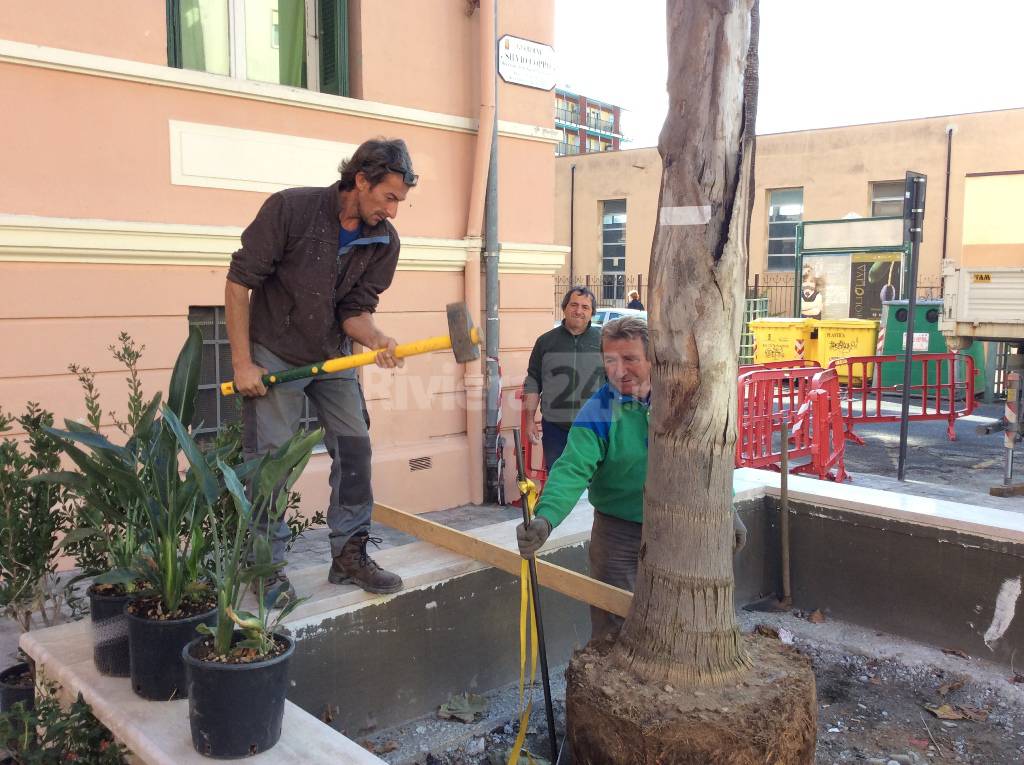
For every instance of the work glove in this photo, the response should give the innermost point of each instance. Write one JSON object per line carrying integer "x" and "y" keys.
{"x": 532, "y": 537}
{"x": 739, "y": 533}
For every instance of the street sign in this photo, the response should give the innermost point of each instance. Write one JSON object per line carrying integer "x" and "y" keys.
{"x": 525, "y": 62}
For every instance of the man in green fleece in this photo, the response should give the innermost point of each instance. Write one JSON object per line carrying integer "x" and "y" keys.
{"x": 607, "y": 451}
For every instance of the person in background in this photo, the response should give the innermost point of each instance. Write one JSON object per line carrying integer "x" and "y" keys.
{"x": 564, "y": 371}
{"x": 634, "y": 301}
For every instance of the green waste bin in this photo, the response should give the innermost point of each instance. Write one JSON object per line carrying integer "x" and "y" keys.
{"x": 927, "y": 339}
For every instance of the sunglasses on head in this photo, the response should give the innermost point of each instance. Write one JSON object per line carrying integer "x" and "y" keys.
{"x": 409, "y": 178}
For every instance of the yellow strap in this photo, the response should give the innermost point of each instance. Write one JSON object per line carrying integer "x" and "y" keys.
{"x": 526, "y": 612}
{"x": 529, "y": 488}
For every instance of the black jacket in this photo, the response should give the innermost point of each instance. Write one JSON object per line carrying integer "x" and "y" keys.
{"x": 302, "y": 289}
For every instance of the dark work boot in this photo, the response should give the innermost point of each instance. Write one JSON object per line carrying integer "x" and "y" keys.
{"x": 354, "y": 566}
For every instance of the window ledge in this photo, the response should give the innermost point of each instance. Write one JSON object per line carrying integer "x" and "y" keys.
{"x": 27, "y": 54}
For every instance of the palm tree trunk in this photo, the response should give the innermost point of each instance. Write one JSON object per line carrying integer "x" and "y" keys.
{"x": 683, "y": 627}
{"x": 681, "y": 684}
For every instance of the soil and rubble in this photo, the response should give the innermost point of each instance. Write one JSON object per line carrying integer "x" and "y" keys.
{"x": 882, "y": 700}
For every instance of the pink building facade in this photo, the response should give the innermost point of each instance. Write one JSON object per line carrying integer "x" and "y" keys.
{"x": 127, "y": 182}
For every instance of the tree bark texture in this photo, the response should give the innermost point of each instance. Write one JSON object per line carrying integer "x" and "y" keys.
{"x": 680, "y": 684}
{"x": 682, "y": 627}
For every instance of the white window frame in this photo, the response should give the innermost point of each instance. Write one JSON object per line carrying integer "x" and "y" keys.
{"x": 236, "y": 43}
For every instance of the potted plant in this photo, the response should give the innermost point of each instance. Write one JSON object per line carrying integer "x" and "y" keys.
{"x": 238, "y": 668}
{"x": 106, "y": 523}
{"x": 175, "y": 596}
{"x": 33, "y": 514}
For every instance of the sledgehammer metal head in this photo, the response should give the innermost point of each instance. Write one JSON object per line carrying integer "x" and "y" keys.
{"x": 464, "y": 336}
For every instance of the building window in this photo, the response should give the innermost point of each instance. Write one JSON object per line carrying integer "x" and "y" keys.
{"x": 214, "y": 411}
{"x": 887, "y": 199}
{"x": 613, "y": 251}
{"x": 785, "y": 209}
{"x": 301, "y": 43}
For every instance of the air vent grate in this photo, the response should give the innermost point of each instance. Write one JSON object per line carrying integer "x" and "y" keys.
{"x": 420, "y": 463}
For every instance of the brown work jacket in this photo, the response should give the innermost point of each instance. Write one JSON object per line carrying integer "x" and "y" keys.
{"x": 302, "y": 286}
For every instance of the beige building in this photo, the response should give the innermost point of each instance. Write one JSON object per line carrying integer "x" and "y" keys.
{"x": 812, "y": 175}
{"x": 141, "y": 136}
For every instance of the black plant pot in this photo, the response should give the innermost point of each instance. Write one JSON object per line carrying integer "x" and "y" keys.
{"x": 11, "y": 689}
{"x": 109, "y": 633}
{"x": 235, "y": 710}
{"x": 155, "y": 648}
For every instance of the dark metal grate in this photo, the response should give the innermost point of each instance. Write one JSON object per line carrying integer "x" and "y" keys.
{"x": 420, "y": 463}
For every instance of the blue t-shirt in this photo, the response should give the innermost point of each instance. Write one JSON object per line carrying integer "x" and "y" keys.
{"x": 346, "y": 238}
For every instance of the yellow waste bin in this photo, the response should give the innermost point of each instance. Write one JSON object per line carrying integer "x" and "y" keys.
{"x": 782, "y": 339}
{"x": 842, "y": 338}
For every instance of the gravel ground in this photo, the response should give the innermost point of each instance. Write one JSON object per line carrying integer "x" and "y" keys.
{"x": 873, "y": 694}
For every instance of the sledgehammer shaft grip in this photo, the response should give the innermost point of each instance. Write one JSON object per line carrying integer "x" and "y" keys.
{"x": 440, "y": 343}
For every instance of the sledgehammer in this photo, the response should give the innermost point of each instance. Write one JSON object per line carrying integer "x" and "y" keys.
{"x": 463, "y": 338}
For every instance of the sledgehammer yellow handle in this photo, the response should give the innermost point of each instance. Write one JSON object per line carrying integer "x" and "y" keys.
{"x": 440, "y": 343}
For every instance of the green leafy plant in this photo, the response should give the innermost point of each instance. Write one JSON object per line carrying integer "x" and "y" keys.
{"x": 143, "y": 476}
{"x": 33, "y": 514}
{"x": 50, "y": 734}
{"x": 228, "y": 446}
{"x": 106, "y": 526}
{"x": 239, "y": 555}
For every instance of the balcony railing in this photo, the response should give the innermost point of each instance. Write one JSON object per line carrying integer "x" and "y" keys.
{"x": 568, "y": 115}
{"x": 566, "y": 148}
{"x": 608, "y": 126}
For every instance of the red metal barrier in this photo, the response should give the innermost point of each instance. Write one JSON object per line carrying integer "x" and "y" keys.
{"x": 765, "y": 399}
{"x": 532, "y": 455}
{"x": 808, "y": 399}
{"x": 945, "y": 389}
{"x": 828, "y": 430}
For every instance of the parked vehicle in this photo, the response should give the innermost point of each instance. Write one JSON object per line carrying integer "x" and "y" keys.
{"x": 606, "y": 314}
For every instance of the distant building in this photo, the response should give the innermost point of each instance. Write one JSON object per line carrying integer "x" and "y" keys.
{"x": 974, "y": 163}
{"x": 586, "y": 124}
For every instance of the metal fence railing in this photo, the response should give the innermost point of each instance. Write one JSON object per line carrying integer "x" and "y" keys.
{"x": 610, "y": 289}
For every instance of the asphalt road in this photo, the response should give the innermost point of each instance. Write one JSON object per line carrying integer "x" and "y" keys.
{"x": 962, "y": 470}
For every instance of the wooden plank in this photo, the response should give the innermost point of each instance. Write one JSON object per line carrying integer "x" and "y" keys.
{"x": 560, "y": 579}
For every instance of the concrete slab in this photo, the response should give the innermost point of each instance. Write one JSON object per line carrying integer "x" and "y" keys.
{"x": 157, "y": 733}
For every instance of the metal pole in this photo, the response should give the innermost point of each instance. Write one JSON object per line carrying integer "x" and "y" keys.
{"x": 572, "y": 224}
{"x": 787, "y": 594}
{"x": 798, "y": 267}
{"x": 492, "y": 342}
{"x": 536, "y": 608}
{"x": 913, "y": 222}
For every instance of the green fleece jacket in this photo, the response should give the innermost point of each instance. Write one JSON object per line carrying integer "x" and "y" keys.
{"x": 607, "y": 450}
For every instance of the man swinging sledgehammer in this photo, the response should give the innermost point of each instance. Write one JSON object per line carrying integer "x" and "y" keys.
{"x": 316, "y": 261}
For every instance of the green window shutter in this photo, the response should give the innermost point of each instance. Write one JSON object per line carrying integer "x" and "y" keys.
{"x": 174, "y": 33}
{"x": 334, "y": 46}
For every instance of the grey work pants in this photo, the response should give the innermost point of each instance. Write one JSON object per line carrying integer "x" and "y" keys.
{"x": 614, "y": 557}
{"x": 270, "y": 420}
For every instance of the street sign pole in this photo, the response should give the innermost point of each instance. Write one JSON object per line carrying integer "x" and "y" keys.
{"x": 913, "y": 227}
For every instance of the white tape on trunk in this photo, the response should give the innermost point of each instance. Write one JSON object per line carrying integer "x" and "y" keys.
{"x": 697, "y": 215}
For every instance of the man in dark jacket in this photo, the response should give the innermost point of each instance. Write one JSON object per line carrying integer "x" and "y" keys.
{"x": 564, "y": 371}
{"x": 315, "y": 261}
